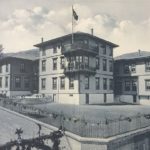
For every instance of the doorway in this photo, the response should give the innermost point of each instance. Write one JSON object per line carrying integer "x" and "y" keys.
{"x": 134, "y": 98}
{"x": 87, "y": 98}
{"x": 105, "y": 98}
{"x": 54, "y": 97}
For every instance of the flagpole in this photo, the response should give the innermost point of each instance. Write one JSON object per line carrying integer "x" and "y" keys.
{"x": 72, "y": 25}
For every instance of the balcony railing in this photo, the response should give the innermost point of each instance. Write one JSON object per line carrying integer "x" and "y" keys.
{"x": 79, "y": 68}
{"x": 79, "y": 47}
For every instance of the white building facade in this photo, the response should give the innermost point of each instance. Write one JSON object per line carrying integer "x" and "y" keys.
{"x": 78, "y": 73}
{"x": 132, "y": 74}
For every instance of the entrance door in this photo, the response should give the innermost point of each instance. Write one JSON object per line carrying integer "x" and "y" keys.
{"x": 87, "y": 98}
{"x": 54, "y": 97}
{"x": 134, "y": 98}
{"x": 105, "y": 98}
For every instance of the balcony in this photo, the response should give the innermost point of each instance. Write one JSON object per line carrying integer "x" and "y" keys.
{"x": 79, "y": 48}
{"x": 79, "y": 68}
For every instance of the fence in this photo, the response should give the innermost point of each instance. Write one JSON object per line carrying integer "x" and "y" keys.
{"x": 96, "y": 128}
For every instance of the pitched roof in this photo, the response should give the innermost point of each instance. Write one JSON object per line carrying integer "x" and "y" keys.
{"x": 32, "y": 54}
{"x": 132, "y": 56}
{"x": 69, "y": 36}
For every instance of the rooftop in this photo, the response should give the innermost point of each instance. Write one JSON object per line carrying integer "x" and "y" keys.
{"x": 32, "y": 54}
{"x": 75, "y": 34}
{"x": 135, "y": 55}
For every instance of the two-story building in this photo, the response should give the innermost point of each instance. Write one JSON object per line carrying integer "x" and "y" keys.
{"x": 77, "y": 73}
{"x": 19, "y": 73}
{"x": 132, "y": 77}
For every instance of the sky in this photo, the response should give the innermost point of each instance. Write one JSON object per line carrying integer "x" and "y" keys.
{"x": 123, "y": 22}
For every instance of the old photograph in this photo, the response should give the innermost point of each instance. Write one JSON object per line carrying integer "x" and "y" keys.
{"x": 74, "y": 75}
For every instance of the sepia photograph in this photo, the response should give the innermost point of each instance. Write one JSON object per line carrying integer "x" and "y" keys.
{"x": 74, "y": 75}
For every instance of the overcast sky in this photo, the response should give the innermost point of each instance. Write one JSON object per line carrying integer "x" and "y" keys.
{"x": 124, "y": 22}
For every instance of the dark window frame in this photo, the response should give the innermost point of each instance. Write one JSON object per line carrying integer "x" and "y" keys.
{"x": 43, "y": 83}
{"x": 54, "y": 63}
{"x": 147, "y": 66}
{"x": 133, "y": 68}
{"x": 134, "y": 85}
{"x": 54, "y": 83}
{"x": 26, "y": 82}
{"x": 104, "y": 83}
{"x": 43, "y": 65}
{"x": 126, "y": 69}
{"x": 18, "y": 82}
{"x": 127, "y": 85}
{"x": 104, "y": 64}
{"x": 97, "y": 83}
{"x": 22, "y": 67}
{"x": 62, "y": 62}
{"x": 6, "y": 82}
{"x": 62, "y": 82}
{"x": 110, "y": 65}
{"x": 87, "y": 82}
{"x": 111, "y": 84}
{"x": 97, "y": 63}
{"x": 147, "y": 87}
{"x": 71, "y": 82}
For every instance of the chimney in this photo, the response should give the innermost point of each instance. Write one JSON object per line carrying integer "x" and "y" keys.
{"x": 139, "y": 51}
{"x": 92, "y": 31}
{"x": 42, "y": 39}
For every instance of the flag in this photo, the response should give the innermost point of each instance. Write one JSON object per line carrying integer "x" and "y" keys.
{"x": 74, "y": 14}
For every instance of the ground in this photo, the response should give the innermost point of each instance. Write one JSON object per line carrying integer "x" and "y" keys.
{"x": 9, "y": 122}
{"x": 95, "y": 112}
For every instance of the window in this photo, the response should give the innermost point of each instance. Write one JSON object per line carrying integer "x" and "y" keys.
{"x": 104, "y": 65}
{"x": 86, "y": 82}
{"x": 26, "y": 82}
{"x": 97, "y": 63}
{"x": 110, "y": 51}
{"x": 86, "y": 61}
{"x": 6, "y": 82}
{"x": 18, "y": 82}
{"x": 0, "y": 69}
{"x": 127, "y": 85}
{"x": 103, "y": 49}
{"x": 71, "y": 83}
{"x": 110, "y": 65}
{"x": 147, "y": 66}
{"x": 55, "y": 49}
{"x": 54, "y": 83}
{"x": 118, "y": 87}
{"x": 43, "y": 65}
{"x": 134, "y": 85}
{"x": 126, "y": 68}
{"x": 43, "y": 52}
{"x": 133, "y": 68}
{"x": 105, "y": 84}
{"x": 147, "y": 84}
{"x": 97, "y": 83}
{"x": 22, "y": 67}
{"x": 0, "y": 82}
{"x": 62, "y": 63}
{"x": 111, "y": 85}
{"x": 43, "y": 83}
{"x": 54, "y": 63}
{"x": 62, "y": 82}
{"x": 6, "y": 67}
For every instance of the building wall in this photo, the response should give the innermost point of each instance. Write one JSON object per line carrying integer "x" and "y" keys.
{"x": 47, "y": 54}
{"x": 140, "y": 76}
{"x": 14, "y": 70}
